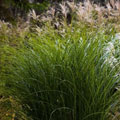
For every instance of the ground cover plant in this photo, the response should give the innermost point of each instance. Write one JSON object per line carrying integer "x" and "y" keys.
{"x": 65, "y": 77}
{"x": 69, "y": 71}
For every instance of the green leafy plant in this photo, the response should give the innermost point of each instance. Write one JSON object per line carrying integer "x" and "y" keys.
{"x": 65, "y": 77}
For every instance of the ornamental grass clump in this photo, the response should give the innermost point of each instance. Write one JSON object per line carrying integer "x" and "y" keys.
{"x": 64, "y": 77}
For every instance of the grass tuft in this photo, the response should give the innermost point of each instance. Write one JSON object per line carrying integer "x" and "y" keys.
{"x": 65, "y": 77}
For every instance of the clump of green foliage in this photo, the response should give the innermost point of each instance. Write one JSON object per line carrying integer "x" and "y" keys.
{"x": 50, "y": 73}
{"x": 63, "y": 75}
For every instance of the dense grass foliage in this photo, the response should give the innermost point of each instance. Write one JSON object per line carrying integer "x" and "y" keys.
{"x": 64, "y": 75}
{"x": 63, "y": 64}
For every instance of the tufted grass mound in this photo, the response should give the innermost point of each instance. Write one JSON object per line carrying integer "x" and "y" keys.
{"x": 64, "y": 75}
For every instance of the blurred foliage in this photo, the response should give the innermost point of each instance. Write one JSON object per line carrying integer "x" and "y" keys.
{"x": 39, "y": 7}
{"x": 24, "y": 4}
{"x": 8, "y": 108}
{"x": 11, "y": 9}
